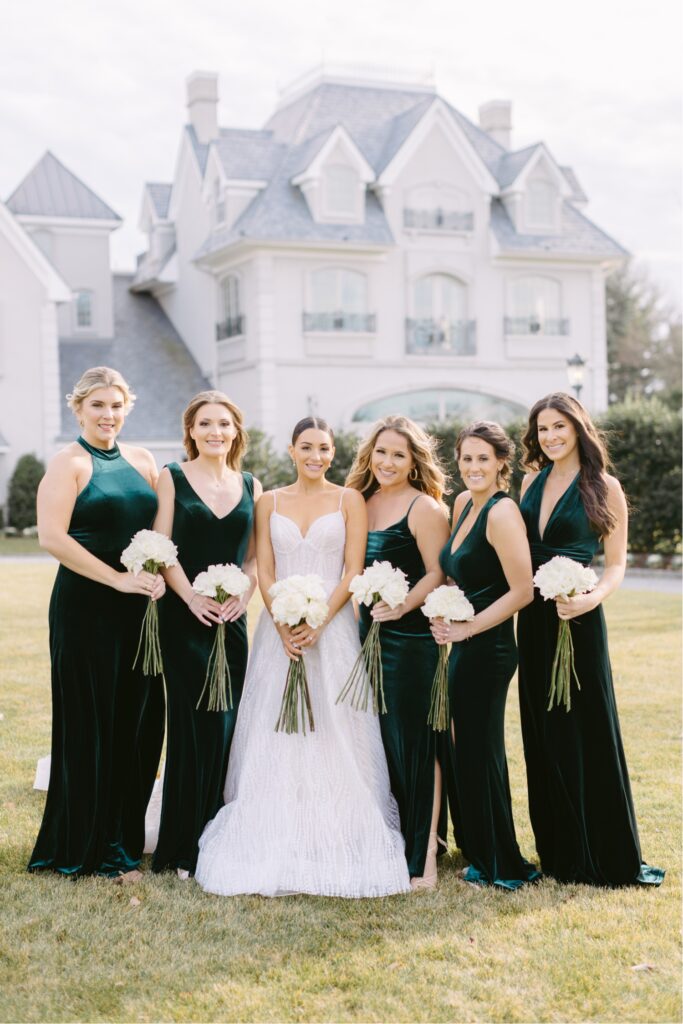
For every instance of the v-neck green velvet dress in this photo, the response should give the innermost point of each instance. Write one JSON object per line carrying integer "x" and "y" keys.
{"x": 198, "y": 742}
{"x": 479, "y": 674}
{"x": 580, "y": 800}
{"x": 409, "y": 657}
{"x": 107, "y": 718}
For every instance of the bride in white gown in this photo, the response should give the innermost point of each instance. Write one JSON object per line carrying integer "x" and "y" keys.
{"x": 306, "y": 814}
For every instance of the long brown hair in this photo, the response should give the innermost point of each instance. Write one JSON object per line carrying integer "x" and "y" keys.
{"x": 239, "y": 445}
{"x": 430, "y": 477}
{"x": 503, "y": 447}
{"x": 593, "y": 456}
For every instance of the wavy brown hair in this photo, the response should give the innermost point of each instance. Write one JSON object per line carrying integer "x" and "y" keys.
{"x": 239, "y": 445}
{"x": 503, "y": 447}
{"x": 430, "y": 478}
{"x": 593, "y": 456}
{"x": 312, "y": 423}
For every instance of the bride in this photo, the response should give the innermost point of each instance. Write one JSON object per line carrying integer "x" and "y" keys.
{"x": 306, "y": 813}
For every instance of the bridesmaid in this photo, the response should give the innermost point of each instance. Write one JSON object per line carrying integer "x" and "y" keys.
{"x": 487, "y": 556}
{"x": 207, "y": 507}
{"x": 579, "y": 793}
{"x": 107, "y": 719}
{"x": 397, "y": 471}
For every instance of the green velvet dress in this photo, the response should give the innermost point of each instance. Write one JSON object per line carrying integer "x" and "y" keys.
{"x": 198, "y": 742}
{"x": 409, "y": 656}
{"x": 479, "y": 674}
{"x": 107, "y": 719}
{"x": 579, "y": 793}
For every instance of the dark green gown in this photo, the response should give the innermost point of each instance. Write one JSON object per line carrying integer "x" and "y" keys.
{"x": 107, "y": 719}
{"x": 409, "y": 656}
{"x": 579, "y": 792}
{"x": 479, "y": 674}
{"x": 198, "y": 742}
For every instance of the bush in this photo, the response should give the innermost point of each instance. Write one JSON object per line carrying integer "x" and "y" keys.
{"x": 271, "y": 469}
{"x": 21, "y": 494}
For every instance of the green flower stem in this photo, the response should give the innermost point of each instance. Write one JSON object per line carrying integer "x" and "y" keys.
{"x": 152, "y": 664}
{"x": 296, "y": 693}
{"x": 563, "y": 669}
{"x": 366, "y": 676}
{"x": 439, "y": 710}
{"x": 218, "y": 670}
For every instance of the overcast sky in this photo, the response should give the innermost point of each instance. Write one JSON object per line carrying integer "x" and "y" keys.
{"x": 103, "y": 87}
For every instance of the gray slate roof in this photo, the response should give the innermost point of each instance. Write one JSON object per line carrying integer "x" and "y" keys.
{"x": 580, "y": 236}
{"x": 248, "y": 155}
{"x": 578, "y": 195}
{"x": 52, "y": 190}
{"x": 150, "y": 354}
{"x": 160, "y": 194}
{"x": 510, "y": 164}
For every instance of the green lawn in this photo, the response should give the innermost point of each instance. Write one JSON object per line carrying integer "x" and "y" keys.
{"x": 163, "y": 950}
{"x": 19, "y": 546}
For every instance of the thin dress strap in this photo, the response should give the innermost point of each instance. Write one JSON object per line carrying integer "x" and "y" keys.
{"x": 416, "y": 498}
{"x": 341, "y": 498}
{"x": 274, "y": 501}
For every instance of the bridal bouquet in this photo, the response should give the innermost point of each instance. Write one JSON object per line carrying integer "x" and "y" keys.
{"x": 563, "y": 577}
{"x": 447, "y": 603}
{"x": 297, "y": 599}
{"x": 219, "y": 582}
{"x": 150, "y": 551}
{"x": 379, "y": 582}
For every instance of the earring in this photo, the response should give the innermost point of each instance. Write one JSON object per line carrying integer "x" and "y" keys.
{"x": 413, "y": 475}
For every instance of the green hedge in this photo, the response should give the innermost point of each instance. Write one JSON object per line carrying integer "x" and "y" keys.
{"x": 21, "y": 493}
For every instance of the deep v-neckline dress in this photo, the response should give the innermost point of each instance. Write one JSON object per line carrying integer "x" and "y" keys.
{"x": 198, "y": 741}
{"x": 580, "y": 800}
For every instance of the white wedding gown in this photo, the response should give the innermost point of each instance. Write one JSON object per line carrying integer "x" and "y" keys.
{"x": 305, "y": 814}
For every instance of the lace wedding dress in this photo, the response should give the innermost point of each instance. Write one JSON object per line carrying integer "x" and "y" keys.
{"x": 305, "y": 814}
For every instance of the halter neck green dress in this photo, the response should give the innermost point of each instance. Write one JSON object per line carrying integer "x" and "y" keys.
{"x": 107, "y": 718}
{"x": 580, "y": 800}
{"x": 198, "y": 742}
{"x": 479, "y": 674}
{"x": 409, "y": 657}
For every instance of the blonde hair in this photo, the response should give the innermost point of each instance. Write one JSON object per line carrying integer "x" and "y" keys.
{"x": 430, "y": 477}
{"x": 239, "y": 444}
{"x": 99, "y": 377}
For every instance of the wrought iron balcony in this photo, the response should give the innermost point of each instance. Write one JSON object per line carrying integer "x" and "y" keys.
{"x": 441, "y": 337}
{"x": 535, "y": 325}
{"x": 438, "y": 220}
{"x": 230, "y": 327}
{"x": 340, "y": 321}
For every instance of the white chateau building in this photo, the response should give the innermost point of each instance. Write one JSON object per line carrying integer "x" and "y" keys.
{"x": 370, "y": 250}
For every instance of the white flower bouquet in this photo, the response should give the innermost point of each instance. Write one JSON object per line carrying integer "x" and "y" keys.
{"x": 219, "y": 582}
{"x": 563, "y": 577}
{"x": 150, "y": 551}
{"x": 447, "y": 603}
{"x": 379, "y": 582}
{"x": 297, "y": 599}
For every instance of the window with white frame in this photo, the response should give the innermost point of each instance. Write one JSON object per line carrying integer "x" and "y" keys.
{"x": 84, "y": 309}
{"x": 534, "y": 306}
{"x": 232, "y": 322}
{"x": 218, "y": 201}
{"x": 440, "y": 323}
{"x": 541, "y": 203}
{"x": 338, "y": 301}
{"x": 340, "y": 191}
{"x": 438, "y": 207}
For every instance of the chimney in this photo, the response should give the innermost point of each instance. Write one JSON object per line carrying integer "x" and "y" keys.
{"x": 202, "y": 104}
{"x": 495, "y": 118}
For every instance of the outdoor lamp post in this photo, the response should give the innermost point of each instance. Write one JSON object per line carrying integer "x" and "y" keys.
{"x": 575, "y": 371}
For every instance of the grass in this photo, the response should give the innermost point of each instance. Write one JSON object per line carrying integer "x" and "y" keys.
{"x": 163, "y": 950}
{"x": 20, "y": 546}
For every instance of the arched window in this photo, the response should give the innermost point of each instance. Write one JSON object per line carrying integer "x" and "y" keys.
{"x": 338, "y": 301}
{"x": 541, "y": 203}
{"x": 534, "y": 306}
{"x": 439, "y": 323}
{"x": 438, "y": 207}
{"x": 84, "y": 308}
{"x": 231, "y": 311}
{"x": 340, "y": 191}
{"x": 432, "y": 405}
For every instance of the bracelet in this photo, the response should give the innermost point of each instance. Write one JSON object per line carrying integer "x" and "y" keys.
{"x": 189, "y": 603}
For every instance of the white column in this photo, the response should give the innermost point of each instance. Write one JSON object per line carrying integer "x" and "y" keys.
{"x": 266, "y": 341}
{"x": 52, "y": 397}
{"x": 599, "y": 390}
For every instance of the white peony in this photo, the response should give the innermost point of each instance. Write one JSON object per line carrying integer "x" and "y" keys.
{"x": 228, "y": 578}
{"x": 448, "y": 603}
{"x": 380, "y": 582}
{"x": 563, "y": 577}
{"x": 299, "y": 599}
{"x": 149, "y": 550}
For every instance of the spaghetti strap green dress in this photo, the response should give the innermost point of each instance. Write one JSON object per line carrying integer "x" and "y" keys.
{"x": 479, "y": 674}
{"x": 409, "y": 657}
{"x": 580, "y": 800}
{"x": 107, "y": 718}
{"x": 198, "y": 742}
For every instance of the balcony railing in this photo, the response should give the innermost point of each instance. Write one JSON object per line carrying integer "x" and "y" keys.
{"x": 438, "y": 220}
{"x": 230, "y": 327}
{"x": 338, "y": 321}
{"x": 441, "y": 337}
{"x": 535, "y": 325}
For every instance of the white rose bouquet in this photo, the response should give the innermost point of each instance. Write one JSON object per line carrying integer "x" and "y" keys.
{"x": 150, "y": 551}
{"x": 297, "y": 599}
{"x": 563, "y": 577}
{"x": 379, "y": 582}
{"x": 220, "y": 582}
{"x": 447, "y": 603}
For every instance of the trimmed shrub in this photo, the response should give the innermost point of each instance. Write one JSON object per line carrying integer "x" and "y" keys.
{"x": 21, "y": 493}
{"x": 271, "y": 469}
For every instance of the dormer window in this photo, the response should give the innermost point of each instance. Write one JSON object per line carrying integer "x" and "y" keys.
{"x": 84, "y": 309}
{"x": 340, "y": 191}
{"x": 541, "y": 204}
